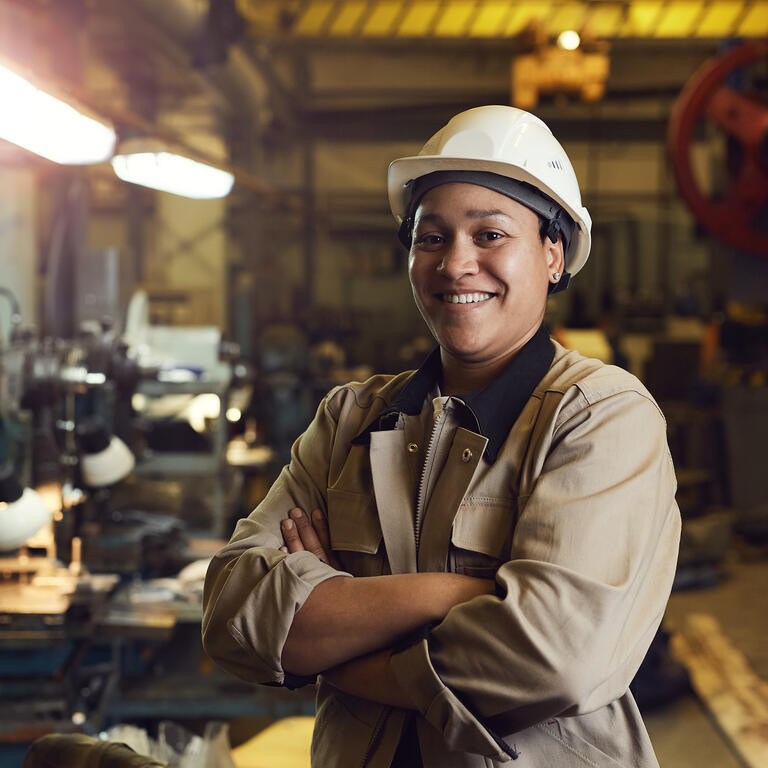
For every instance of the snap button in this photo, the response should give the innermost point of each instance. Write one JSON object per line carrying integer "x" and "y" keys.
{"x": 412, "y": 447}
{"x": 466, "y": 455}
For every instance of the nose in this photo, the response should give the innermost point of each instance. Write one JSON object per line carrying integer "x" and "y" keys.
{"x": 458, "y": 259}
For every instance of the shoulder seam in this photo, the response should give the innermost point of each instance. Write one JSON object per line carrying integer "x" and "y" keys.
{"x": 569, "y": 411}
{"x": 364, "y": 405}
{"x": 628, "y": 390}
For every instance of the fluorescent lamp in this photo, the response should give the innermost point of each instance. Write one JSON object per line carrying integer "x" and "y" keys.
{"x": 152, "y": 165}
{"x": 49, "y": 127}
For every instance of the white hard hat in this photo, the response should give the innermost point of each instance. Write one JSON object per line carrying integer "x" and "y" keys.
{"x": 508, "y": 142}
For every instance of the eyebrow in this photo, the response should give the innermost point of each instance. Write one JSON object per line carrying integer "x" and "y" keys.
{"x": 472, "y": 213}
{"x": 482, "y": 214}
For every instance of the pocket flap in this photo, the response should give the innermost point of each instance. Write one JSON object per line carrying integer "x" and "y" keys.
{"x": 484, "y": 525}
{"x": 353, "y": 522}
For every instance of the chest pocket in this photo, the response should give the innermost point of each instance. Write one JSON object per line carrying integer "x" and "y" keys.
{"x": 355, "y": 532}
{"x": 481, "y": 536}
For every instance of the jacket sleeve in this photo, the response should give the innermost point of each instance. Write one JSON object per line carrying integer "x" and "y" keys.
{"x": 591, "y": 566}
{"x": 252, "y": 590}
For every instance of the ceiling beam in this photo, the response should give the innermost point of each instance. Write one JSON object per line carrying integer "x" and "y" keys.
{"x": 415, "y": 123}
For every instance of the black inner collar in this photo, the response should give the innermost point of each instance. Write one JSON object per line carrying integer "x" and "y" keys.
{"x": 494, "y": 408}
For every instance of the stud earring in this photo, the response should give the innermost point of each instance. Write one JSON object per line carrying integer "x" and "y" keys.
{"x": 555, "y": 276}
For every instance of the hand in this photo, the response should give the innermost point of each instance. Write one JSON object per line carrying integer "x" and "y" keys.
{"x": 304, "y": 534}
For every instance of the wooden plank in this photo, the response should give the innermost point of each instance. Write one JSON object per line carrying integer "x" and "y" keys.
{"x": 735, "y": 696}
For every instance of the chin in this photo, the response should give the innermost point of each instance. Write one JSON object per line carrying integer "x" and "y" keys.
{"x": 462, "y": 350}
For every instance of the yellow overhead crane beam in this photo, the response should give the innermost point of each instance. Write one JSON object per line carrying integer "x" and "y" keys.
{"x": 661, "y": 19}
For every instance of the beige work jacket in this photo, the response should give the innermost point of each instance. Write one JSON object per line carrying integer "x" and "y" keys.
{"x": 576, "y": 518}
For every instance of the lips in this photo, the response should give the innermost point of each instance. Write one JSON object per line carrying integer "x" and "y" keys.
{"x": 465, "y": 298}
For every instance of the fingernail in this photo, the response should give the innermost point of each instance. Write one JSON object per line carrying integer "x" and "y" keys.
{"x": 296, "y": 513}
{"x": 284, "y": 549}
{"x": 288, "y": 525}
{"x": 317, "y": 515}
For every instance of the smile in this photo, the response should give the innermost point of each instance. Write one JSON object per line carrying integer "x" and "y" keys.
{"x": 465, "y": 298}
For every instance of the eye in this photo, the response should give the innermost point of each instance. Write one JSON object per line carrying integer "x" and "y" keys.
{"x": 488, "y": 236}
{"x": 428, "y": 241}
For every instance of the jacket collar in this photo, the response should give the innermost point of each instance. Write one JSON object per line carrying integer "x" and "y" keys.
{"x": 494, "y": 409}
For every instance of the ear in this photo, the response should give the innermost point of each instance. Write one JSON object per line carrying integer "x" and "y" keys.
{"x": 554, "y": 255}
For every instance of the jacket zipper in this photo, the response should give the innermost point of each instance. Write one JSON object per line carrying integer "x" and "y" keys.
{"x": 428, "y": 460}
{"x": 429, "y": 457}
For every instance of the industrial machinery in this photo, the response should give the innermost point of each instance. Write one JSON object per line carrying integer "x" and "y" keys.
{"x": 725, "y": 93}
{"x": 75, "y": 548}
{"x": 571, "y": 66}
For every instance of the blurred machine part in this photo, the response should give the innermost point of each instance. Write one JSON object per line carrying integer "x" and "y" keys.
{"x": 283, "y": 400}
{"x": 67, "y": 421}
{"x": 178, "y": 353}
{"x": 23, "y": 512}
{"x": 132, "y": 542}
{"x": 725, "y": 94}
{"x": 559, "y": 69}
{"x": 8, "y": 335}
{"x": 745, "y": 411}
{"x": 189, "y": 392}
{"x": 105, "y": 459}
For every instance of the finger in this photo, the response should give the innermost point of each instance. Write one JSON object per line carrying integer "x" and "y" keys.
{"x": 308, "y": 534}
{"x": 320, "y": 522}
{"x": 321, "y": 528}
{"x": 284, "y": 549}
{"x": 291, "y": 536}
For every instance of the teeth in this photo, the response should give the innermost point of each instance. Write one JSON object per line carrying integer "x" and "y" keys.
{"x": 465, "y": 298}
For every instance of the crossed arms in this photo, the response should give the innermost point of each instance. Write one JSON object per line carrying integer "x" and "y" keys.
{"x": 347, "y": 626}
{"x": 585, "y": 583}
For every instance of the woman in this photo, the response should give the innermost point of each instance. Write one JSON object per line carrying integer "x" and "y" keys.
{"x": 474, "y": 556}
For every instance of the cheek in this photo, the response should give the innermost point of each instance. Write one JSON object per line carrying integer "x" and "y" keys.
{"x": 540, "y": 266}
{"x": 528, "y": 277}
{"x": 416, "y": 275}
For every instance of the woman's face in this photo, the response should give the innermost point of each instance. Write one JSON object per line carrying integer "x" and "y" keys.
{"x": 479, "y": 271}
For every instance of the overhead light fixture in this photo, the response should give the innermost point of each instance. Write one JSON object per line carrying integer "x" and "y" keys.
{"x": 569, "y": 40}
{"x": 152, "y": 164}
{"x": 51, "y": 127}
{"x": 22, "y": 511}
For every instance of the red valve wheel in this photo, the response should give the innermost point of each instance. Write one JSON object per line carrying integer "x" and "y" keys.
{"x": 744, "y": 118}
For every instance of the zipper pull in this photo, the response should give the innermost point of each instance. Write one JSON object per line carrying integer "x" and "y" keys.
{"x": 438, "y": 406}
